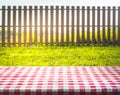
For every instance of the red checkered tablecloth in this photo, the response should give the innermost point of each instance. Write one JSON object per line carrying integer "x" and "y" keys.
{"x": 60, "y": 80}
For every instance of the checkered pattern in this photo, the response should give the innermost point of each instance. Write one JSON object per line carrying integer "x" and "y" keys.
{"x": 60, "y": 80}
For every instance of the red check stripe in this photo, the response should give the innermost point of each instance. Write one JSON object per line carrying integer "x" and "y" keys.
{"x": 60, "y": 80}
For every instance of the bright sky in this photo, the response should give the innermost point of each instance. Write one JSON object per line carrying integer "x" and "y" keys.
{"x": 61, "y": 2}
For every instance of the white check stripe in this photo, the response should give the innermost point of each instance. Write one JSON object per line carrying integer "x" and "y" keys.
{"x": 65, "y": 85}
{"x": 55, "y": 87}
{"x": 75, "y": 80}
{"x": 45, "y": 81}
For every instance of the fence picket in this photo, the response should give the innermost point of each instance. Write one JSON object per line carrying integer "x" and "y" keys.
{"x": 41, "y": 25}
{"x": 103, "y": 27}
{"x": 25, "y": 24}
{"x": 57, "y": 23}
{"x": 78, "y": 27}
{"x": 72, "y": 25}
{"x": 30, "y": 25}
{"x": 83, "y": 25}
{"x": 109, "y": 17}
{"x": 93, "y": 25}
{"x": 51, "y": 32}
{"x": 118, "y": 25}
{"x": 3, "y": 25}
{"x": 114, "y": 30}
{"x": 35, "y": 13}
{"x": 98, "y": 25}
{"x": 46, "y": 25}
{"x": 67, "y": 25}
{"x": 8, "y": 23}
{"x": 19, "y": 26}
{"x": 62, "y": 25}
{"x": 14, "y": 25}
{"x": 88, "y": 25}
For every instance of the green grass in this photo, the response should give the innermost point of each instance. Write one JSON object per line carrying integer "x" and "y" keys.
{"x": 60, "y": 56}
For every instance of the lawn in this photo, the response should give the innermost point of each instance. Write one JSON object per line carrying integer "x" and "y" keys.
{"x": 60, "y": 56}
